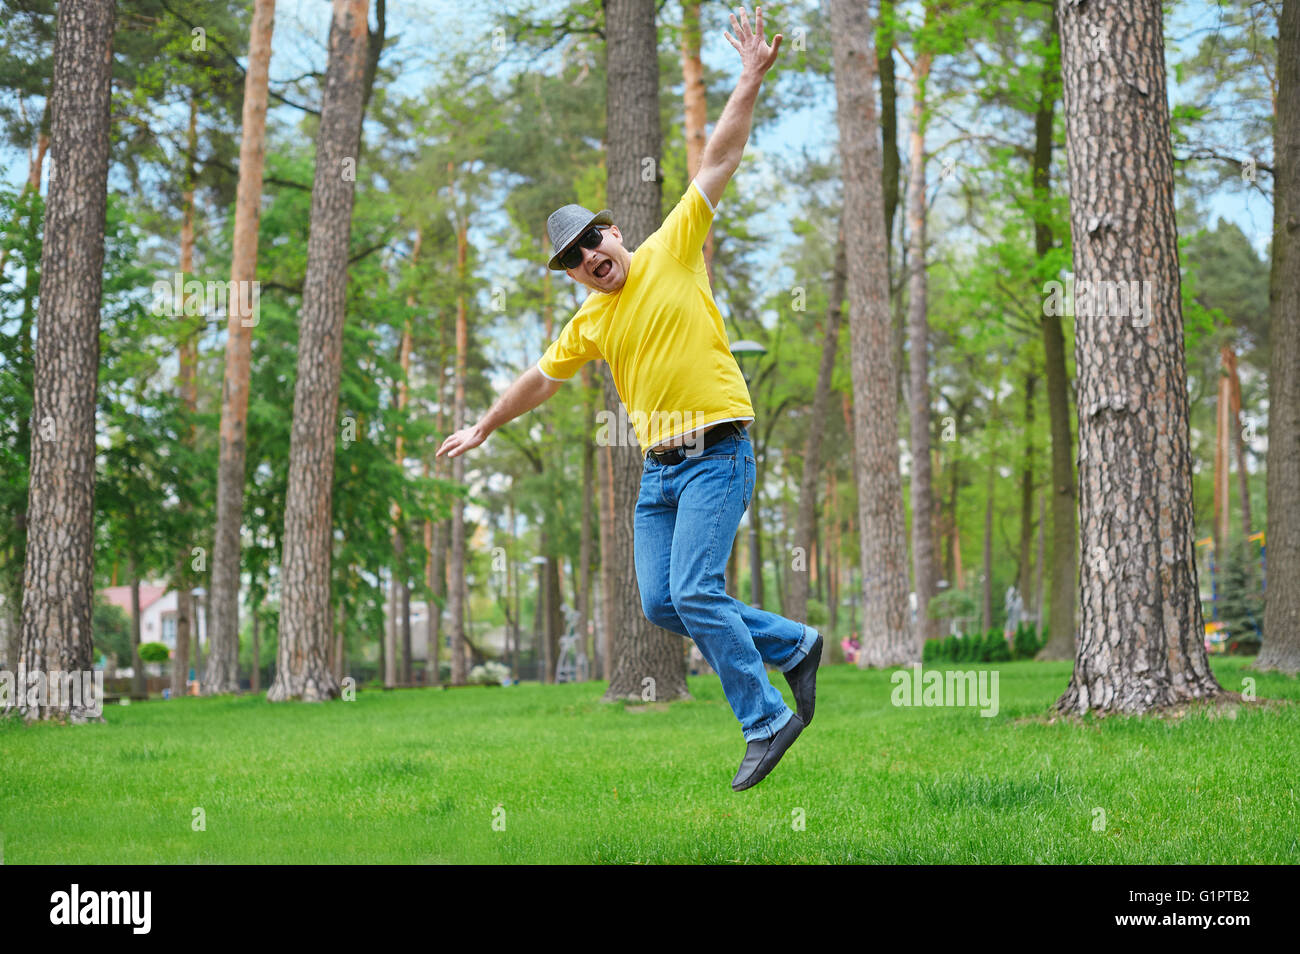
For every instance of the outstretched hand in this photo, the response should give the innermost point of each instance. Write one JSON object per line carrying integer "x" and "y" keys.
{"x": 463, "y": 440}
{"x": 756, "y": 56}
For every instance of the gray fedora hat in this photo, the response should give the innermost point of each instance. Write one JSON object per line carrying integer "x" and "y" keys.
{"x": 566, "y": 224}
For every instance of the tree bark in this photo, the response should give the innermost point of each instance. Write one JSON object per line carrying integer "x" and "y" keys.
{"x": 889, "y": 641}
{"x": 1281, "y": 649}
{"x": 305, "y": 622}
{"x": 223, "y": 656}
{"x": 647, "y": 659}
{"x": 1141, "y": 636}
{"x": 891, "y": 162}
{"x": 58, "y": 573}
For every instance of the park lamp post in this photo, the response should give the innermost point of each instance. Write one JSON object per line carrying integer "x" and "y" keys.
{"x": 747, "y": 355}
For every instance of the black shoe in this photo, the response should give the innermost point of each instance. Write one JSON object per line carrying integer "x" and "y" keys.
{"x": 761, "y": 755}
{"x": 803, "y": 682}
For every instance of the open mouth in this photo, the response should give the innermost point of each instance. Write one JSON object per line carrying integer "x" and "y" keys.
{"x": 603, "y": 269}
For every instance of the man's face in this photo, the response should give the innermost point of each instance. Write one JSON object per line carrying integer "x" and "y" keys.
{"x": 604, "y": 268}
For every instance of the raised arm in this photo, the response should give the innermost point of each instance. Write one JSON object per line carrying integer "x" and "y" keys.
{"x": 529, "y": 390}
{"x": 727, "y": 144}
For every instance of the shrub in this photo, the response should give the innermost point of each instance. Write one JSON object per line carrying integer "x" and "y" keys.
{"x": 996, "y": 647}
{"x": 1025, "y": 644}
{"x": 154, "y": 653}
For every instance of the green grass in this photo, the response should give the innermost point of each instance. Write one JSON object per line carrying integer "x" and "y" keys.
{"x": 415, "y": 776}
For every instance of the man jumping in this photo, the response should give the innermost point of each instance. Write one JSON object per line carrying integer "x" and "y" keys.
{"x": 652, "y": 317}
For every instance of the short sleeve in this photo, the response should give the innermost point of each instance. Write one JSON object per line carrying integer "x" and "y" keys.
{"x": 571, "y": 350}
{"x": 687, "y": 226}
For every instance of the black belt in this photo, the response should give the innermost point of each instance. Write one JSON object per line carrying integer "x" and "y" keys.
{"x": 676, "y": 455}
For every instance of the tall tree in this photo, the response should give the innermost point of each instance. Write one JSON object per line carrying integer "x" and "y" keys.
{"x": 58, "y": 573}
{"x": 1281, "y": 649}
{"x": 305, "y": 621}
{"x": 696, "y": 108}
{"x": 1064, "y": 494}
{"x": 641, "y": 651}
{"x": 222, "y": 673}
{"x": 883, "y": 553}
{"x": 1141, "y": 640}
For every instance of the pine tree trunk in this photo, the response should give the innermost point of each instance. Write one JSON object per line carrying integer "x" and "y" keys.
{"x": 889, "y": 640}
{"x": 137, "y": 666}
{"x": 986, "y": 588}
{"x": 645, "y": 657}
{"x": 456, "y": 578}
{"x": 1141, "y": 636}
{"x": 585, "y": 534}
{"x": 891, "y": 162}
{"x": 606, "y": 462}
{"x": 305, "y": 622}
{"x": 696, "y": 105}
{"x": 255, "y": 673}
{"x": 1224, "y": 423}
{"x": 1024, "y": 574}
{"x": 1281, "y": 649}
{"x": 1039, "y": 562}
{"x": 58, "y": 573}
{"x": 1061, "y": 626}
{"x": 220, "y": 674}
{"x": 1239, "y": 445}
{"x": 803, "y": 529}
{"x": 187, "y": 384}
{"x": 399, "y": 454}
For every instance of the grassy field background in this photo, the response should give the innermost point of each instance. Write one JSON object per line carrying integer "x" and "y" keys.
{"x": 421, "y": 776}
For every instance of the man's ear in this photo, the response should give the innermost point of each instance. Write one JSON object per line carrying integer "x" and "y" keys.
{"x": 617, "y": 234}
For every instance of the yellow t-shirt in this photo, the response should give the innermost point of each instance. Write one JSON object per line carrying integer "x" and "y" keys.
{"x": 661, "y": 334}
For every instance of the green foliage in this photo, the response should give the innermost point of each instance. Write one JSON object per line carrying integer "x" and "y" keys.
{"x": 982, "y": 648}
{"x": 816, "y": 613}
{"x": 110, "y": 629}
{"x": 154, "y": 652}
{"x": 1026, "y": 644}
{"x": 1240, "y": 597}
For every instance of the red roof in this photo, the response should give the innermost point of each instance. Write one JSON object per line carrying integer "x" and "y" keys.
{"x": 120, "y": 596}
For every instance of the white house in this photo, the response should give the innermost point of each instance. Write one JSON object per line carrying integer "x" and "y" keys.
{"x": 157, "y": 613}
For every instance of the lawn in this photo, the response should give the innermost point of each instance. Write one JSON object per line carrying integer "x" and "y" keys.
{"x": 531, "y": 773}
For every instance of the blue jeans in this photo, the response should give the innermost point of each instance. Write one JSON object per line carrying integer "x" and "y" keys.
{"x": 686, "y": 519}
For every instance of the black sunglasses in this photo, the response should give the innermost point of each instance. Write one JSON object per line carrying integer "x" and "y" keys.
{"x": 591, "y": 238}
